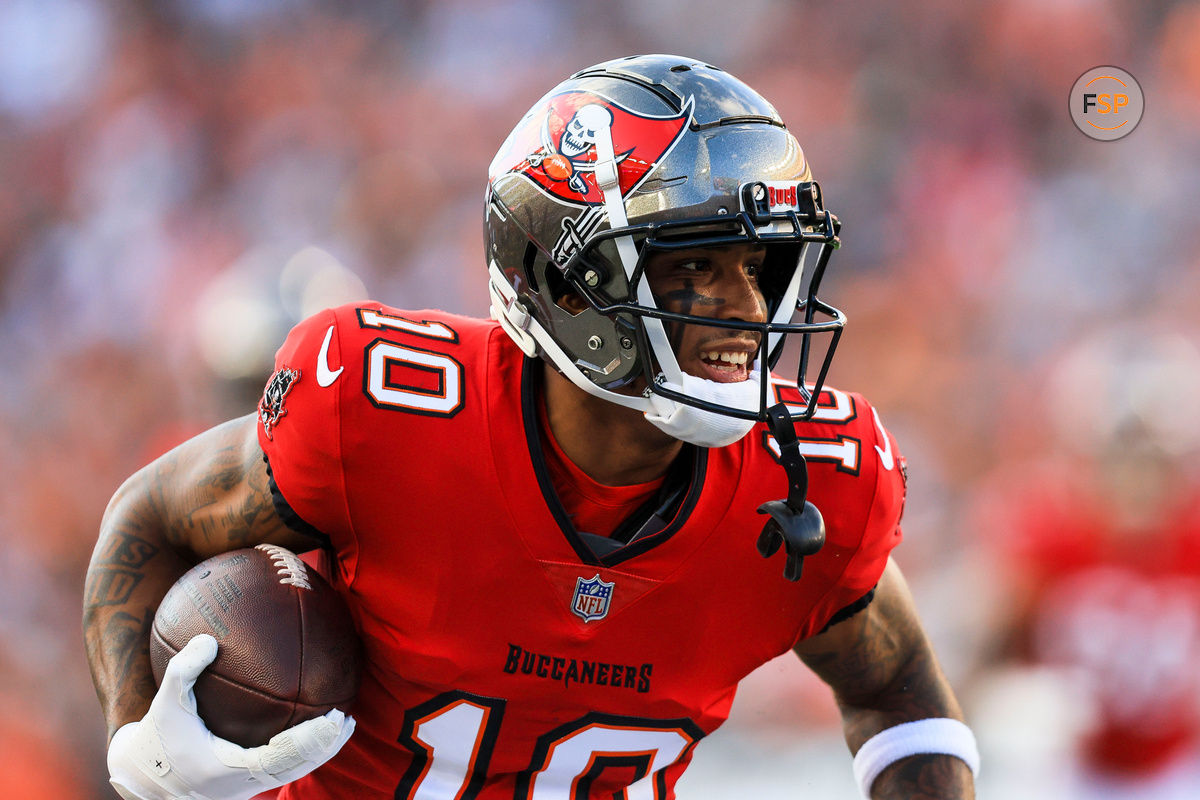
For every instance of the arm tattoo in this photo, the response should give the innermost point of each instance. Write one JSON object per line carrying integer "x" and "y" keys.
{"x": 226, "y": 506}
{"x": 124, "y": 639}
{"x": 128, "y": 572}
{"x": 924, "y": 777}
{"x": 863, "y": 662}
{"x": 115, "y": 572}
{"x": 127, "y": 551}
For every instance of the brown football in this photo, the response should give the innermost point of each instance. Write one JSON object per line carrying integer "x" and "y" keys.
{"x": 287, "y": 650}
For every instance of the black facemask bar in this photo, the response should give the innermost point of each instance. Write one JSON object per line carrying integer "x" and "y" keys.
{"x": 730, "y": 229}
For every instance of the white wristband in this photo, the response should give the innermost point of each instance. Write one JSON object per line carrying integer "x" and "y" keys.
{"x": 937, "y": 735}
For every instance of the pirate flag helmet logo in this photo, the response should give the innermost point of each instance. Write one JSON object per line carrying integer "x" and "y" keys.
{"x": 555, "y": 145}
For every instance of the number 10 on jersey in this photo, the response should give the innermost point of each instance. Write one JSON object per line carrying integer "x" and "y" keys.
{"x": 452, "y": 738}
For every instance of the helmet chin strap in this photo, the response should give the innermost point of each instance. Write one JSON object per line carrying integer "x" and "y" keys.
{"x": 608, "y": 178}
{"x": 684, "y": 422}
{"x": 794, "y": 522}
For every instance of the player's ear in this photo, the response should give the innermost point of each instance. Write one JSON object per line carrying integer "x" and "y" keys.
{"x": 566, "y": 295}
{"x": 572, "y": 302}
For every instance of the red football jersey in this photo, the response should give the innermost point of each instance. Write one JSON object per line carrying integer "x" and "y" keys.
{"x": 504, "y": 658}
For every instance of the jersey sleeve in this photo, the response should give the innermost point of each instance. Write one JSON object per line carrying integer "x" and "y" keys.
{"x": 299, "y": 426}
{"x": 862, "y": 515}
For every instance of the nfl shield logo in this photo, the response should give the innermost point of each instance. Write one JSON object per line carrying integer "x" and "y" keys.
{"x": 591, "y": 598}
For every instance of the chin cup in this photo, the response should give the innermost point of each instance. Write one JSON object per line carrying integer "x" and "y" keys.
{"x": 803, "y": 534}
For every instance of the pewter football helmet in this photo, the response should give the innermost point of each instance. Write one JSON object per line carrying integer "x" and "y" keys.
{"x": 638, "y": 155}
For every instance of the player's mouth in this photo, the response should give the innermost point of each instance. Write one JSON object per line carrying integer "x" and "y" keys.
{"x": 727, "y": 363}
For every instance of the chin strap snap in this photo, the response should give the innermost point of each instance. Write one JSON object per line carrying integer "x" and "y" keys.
{"x": 795, "y": 522}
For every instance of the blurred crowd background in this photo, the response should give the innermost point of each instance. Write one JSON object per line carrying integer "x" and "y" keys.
{"x": 182, "y": 180}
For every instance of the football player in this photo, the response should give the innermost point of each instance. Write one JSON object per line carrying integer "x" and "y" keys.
{"x": 559, "y": 531}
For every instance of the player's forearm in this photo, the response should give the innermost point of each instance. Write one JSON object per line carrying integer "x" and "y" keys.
{"x": 915, "y": 689}
{"x": 132, "y": 567}
{"x": 918, "y": 691}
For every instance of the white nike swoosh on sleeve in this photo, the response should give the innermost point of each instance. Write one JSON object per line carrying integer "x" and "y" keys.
{"x": 885, "y": 455}
{"x": 326, "y": 376}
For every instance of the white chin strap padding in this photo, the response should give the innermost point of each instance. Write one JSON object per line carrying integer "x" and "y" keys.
{"x": 705, "y": 428}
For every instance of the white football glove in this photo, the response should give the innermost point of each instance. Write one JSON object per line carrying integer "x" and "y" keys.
{"x": 171, "y": 755}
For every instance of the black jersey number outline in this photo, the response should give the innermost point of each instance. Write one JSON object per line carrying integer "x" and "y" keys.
{"x": 834, "y": 407}
{"x": 452, "y": 737}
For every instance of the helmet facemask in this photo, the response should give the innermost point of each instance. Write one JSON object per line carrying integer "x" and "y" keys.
{"x": 799, "y": 243}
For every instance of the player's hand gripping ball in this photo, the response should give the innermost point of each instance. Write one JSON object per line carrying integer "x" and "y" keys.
{"x": 287, "y": 649}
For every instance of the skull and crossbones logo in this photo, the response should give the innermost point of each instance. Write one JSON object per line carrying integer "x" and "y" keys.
{"x": 580, "y": 133}
{"x": 567, "y": 160}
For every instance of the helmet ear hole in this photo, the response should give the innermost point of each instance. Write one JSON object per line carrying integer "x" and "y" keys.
{"x": 572, "y": 303}
{"x": 562, "y": 293}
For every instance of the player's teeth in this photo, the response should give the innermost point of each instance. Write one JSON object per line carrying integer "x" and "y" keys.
{"x": 732, "y": 359}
